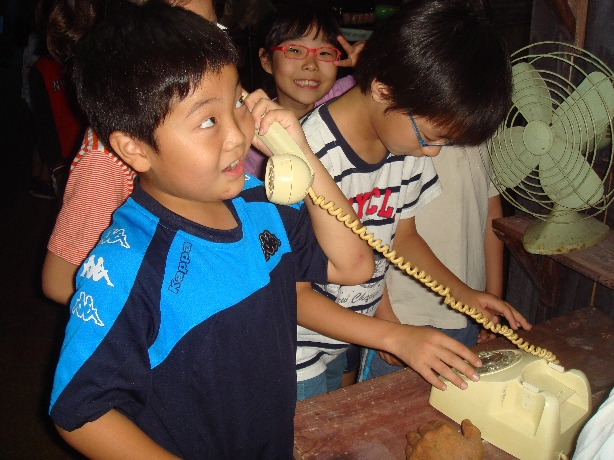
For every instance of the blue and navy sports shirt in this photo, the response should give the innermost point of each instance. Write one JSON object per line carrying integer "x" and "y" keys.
{"x": 191, "y": 331}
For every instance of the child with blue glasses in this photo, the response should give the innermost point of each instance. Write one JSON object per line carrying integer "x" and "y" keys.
{"x": 435, "y": 73}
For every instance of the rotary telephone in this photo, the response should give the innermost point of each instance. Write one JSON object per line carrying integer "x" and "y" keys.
{"x": 524, "y": 403}
{"x": 529, "y": 407}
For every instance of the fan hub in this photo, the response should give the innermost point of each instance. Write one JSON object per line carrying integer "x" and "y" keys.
{"x": 537, "y": 137}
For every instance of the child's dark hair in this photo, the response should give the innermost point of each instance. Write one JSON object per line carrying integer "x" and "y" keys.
{"x": 445, "y": 62}
{"x": 134, "y": 65}
{"x": 70, "y": 20}
{"x": 297, "y": 20}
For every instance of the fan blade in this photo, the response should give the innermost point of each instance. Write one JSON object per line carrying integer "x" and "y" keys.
{"x": 604, "y": 138}
{"x": 583, "y": 116}
{"x": 567, "y": 178}
{"x": 531, "y": 95}
{"x": 511, "y": 160}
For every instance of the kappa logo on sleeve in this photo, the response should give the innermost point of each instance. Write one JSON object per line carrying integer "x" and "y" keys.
{"x": 95, "y": 270}
{"x": 115, "y": 235}
{"x": 270, "y": 244}
{"x": 84, "y": 309}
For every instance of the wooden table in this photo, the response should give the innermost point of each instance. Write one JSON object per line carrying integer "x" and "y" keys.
{"x": 369, "y": 420}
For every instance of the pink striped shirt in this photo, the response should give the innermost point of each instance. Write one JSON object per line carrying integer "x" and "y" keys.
{"x": 99, "y": 182}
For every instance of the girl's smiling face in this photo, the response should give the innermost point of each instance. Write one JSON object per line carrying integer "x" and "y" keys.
{"x": 300, "y": 83}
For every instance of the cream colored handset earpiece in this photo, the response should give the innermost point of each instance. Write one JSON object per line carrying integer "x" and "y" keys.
{"x": 288, "y": 176}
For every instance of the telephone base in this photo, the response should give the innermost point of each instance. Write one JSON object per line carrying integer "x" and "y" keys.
{"x": 522, "y": 404}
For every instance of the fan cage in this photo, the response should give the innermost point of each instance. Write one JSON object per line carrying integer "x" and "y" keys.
{"x": 572, "y": 66}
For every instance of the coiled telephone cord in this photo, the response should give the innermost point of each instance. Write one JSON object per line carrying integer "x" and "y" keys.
{"x": 444, "y": 291}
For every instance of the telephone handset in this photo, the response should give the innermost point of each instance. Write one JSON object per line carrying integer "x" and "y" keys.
{"x": 288, "y": 179}
{"x": 288, "y": 176}
{"x": 526, "y": 406}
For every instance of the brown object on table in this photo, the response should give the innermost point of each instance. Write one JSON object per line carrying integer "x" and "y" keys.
{"x": 369, "y": 420}
{"x": 438, "y": 440}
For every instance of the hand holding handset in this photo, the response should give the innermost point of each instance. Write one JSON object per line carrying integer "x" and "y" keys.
{"x": 289, "y": 176}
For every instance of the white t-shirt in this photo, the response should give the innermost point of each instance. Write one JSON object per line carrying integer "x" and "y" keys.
{"x": 381, "y": 194}
{"x": 453, "y": 226}
{"x": 596, "y": 440}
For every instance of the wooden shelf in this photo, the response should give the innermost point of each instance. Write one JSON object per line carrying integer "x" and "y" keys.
{"x": 596, "y": 263}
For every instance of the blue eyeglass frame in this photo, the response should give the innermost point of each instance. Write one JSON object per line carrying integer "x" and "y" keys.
{"x": 421, "y": 140}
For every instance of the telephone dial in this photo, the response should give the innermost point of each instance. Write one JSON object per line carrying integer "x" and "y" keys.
{"x": 524, "y": 403}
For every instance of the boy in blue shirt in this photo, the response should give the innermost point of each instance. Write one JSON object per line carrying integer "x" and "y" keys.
{"x": 182, "y": 335}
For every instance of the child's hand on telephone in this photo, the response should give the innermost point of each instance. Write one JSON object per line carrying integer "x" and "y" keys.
{"x": 490, "y": 306}
{"x": 265, "y": 112}
{"x": 431, "y": 353}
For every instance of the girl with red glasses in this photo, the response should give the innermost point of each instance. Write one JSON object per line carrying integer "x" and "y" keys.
{"x": 300, "y": 56}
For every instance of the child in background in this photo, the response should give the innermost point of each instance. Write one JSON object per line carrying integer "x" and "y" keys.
{"x": 59, "y": 125}
{"x": 99, "y": 182}
{"x": 181, "y": 337}
{"x": 434, "y": 74}
{"x": 301, "y": 54}
{"x": 457, "y": 227}
{"x": 59, "y": 128}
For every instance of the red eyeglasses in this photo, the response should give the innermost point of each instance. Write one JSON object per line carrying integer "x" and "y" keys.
{"x": 299, "y": 52}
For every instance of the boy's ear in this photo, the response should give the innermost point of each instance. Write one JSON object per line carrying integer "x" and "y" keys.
{"x": 265, "y": 61}
{"x": 380, "y": 92}
{"x": 132, "y": 151}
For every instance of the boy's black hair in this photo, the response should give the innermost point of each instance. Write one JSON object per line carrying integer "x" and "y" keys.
{"x": 140, "y": 60}
{"x": 295, "y": 20}
{"x": 70, "y": 20}
{"x": 445, "y": 62}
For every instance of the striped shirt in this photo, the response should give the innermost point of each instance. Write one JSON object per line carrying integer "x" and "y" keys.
{"x": 381, "y": 194}
{"x": 99, "y": 183}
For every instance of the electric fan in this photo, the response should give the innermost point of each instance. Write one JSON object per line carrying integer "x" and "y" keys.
{"x": 553, "y": 153}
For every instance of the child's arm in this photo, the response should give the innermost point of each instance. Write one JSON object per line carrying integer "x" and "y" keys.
{"x": 384, "y": 311}
{"x": 351, "y": 260}
{"x": 409, "y": 244}
{"x": 114, "y": 436}
{"x": 58, "y": 278}
{"x": 97, "y": 177}
{"x": 426, "y": 350}
{"x": 493, "y": 249}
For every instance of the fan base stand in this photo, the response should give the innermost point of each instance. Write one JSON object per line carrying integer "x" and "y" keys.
{"x": 548, "y": 237}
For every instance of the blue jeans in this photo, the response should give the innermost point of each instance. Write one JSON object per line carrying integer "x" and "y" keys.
{"x": 327, "y": 381}
{"x": 372, "y": 365}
